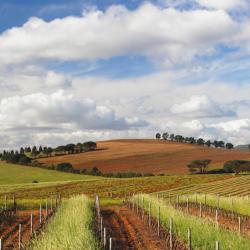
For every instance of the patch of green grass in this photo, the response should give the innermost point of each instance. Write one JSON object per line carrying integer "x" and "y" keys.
{"x": 71, "y": 228}
{"x": 17, "y": 174}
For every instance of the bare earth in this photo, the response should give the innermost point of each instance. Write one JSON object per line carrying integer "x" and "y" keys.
{"x": 128, "y": 231}
{"x": 147, "y": 156}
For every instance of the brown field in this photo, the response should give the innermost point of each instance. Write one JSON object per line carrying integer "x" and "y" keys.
{"x": 147, "y": 156}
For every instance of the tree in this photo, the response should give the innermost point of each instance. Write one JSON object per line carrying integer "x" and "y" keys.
{"x": 165, "y": 136}
{"x": 89, "y": 146}
{"x": 237, "y": 166}
{"x": 172, "y": 137}
{"x": 34, "y": 151}
{"x": 22, "y": 151}
{"x": 158, "y": 136}
{"x": 65, "y": 167}
{"x": 208, "y": 143}
{"x": 40, "y": 149}
{"x": 221, "y": 144}
{"x": 199, "y": 166}
{"x": 229, "y": 145}
{"x": 200, "y": 141}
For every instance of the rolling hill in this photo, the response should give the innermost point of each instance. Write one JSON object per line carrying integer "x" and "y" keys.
{"x": 146, "y": 156}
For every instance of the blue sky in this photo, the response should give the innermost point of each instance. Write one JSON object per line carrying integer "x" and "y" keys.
{"x": 114, "y": 69}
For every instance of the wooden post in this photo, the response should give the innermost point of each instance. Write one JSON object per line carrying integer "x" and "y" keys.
{"x": 149, "y": 214}
{"x": 5, "y": 202}
{"x": 218, "y": 201}
{"x": 20, "y": 237}
{"x": 200, "y": 210}
{"x": 110, "y": 243}
{"x": 31, "y": 223}
{"x": 1, "y": 244}
{"x": 51, "y": 205}
{"x": 217, "y": 245}
{"x": 196, "y": 197}
{"x": 171, "y": 234}
{"x": 40, "y": 214}
{"x": 187, "y": 204}
{"x": 158, "y": 222}
{"x": 177, "y": 201}
{"x": 46, "y": 209}
{"x": 216, "y": 217}
{"x": 205, "y": 199}
{"x": 232, "y": 207}
{"x": 239, "y": 222}
{"x": 104, "y": 238}
{"x": 142, "y": 207}
{"x": 101, "y": 229}
{"x": 189, "y": 239}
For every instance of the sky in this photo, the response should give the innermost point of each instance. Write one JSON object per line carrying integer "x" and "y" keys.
{"x": 72, "y": 71}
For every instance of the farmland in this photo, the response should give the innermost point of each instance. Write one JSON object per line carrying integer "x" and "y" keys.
{"x": 146, "y": 156}
{"x": 121, "y": 222}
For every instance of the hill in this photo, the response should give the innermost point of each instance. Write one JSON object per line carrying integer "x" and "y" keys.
{"x": 243, "y": 147}
{"x": 146, "y": 156}
{"x": 16, "y": 174}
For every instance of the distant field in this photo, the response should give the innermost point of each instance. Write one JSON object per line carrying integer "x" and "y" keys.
{"x": 105, "y": 186}
{"x": 235, "y": 187}
{"x": 147, "y": 156}
{"x": 16, "y": 174}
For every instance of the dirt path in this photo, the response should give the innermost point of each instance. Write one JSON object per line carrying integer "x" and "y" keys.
{"x": 9, "y": 232}
{"x": 128, "y": 231}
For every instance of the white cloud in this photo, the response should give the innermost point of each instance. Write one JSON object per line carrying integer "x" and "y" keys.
{"x": 62, "y": 111}
{"x": 223, "y": 4}
{"x": 201, "y": 106}
{"x": 172, "y": 35}
{"x": 234, "y": 125}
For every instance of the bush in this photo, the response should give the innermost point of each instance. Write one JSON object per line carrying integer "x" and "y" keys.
{"x": 64, "y": 167}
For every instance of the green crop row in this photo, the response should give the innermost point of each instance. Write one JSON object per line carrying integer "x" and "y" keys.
{"x": 205, "y": 233}
{"x": 239, "y": 205}
{"x": 71, "y": 228}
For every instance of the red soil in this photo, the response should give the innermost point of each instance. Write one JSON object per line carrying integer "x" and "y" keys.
{"x": 147, "y": 156}
{"x": 128, "y": 231}
{"x": 9, "y": 232}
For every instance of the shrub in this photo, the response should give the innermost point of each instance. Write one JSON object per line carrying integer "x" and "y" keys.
{"x": 237, "y": 166}
{"x": 65, "y": 167}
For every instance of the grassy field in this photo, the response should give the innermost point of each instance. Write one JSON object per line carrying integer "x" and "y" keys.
{"x": 17, "y": 174}
{"x": 71, "y": 228}
{"x": 147, "y": 156}
{"x": 204, "y": 232}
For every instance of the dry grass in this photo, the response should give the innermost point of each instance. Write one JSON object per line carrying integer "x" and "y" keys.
{"x": 147, "y": 156}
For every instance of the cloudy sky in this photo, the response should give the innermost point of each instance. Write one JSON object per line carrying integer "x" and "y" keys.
{"x": 78, "y": 70}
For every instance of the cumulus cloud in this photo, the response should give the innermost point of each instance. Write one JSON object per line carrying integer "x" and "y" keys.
{"x": 173, "y": 35}
{"x": 201, "y": 106}
{"x": 234, "y": 125}
{"x": 60, "y": 110}
{"x": 223, "y": 4}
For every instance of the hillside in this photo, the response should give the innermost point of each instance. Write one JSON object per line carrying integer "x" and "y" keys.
{"x": 146, "y": 156}
{"x": 16, "y": 174}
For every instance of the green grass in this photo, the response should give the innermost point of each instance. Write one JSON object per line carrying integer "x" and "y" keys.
{"x": 240, "y": 205}
{"x": 17, "y": 174}
{"x": 204, "y": 232}
{"x": 71, "y": 228}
